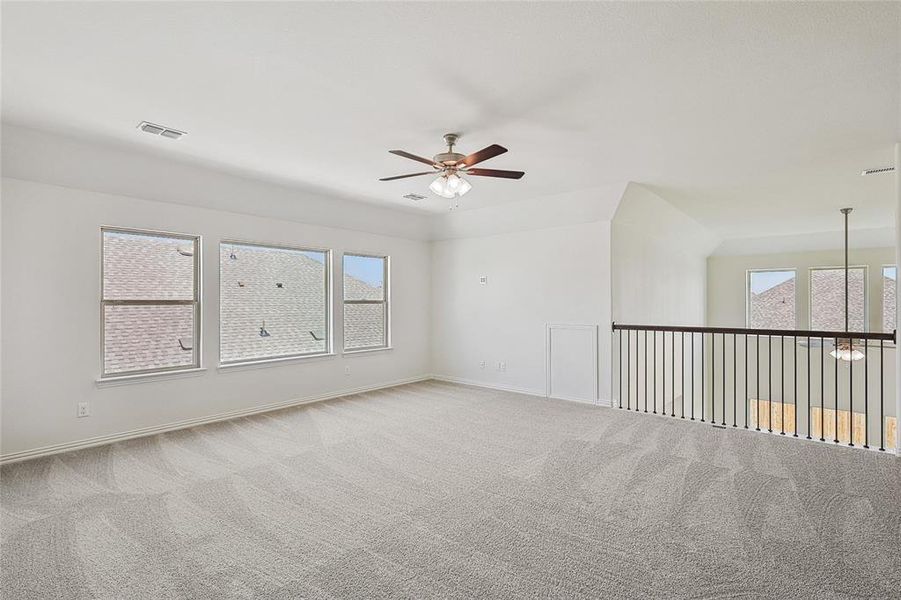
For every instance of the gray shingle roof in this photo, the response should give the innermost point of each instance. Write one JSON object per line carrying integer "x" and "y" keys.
{"x": 774, "y": 308}
{"x": 827, "y": 299}
{"x": 249, "y": 295}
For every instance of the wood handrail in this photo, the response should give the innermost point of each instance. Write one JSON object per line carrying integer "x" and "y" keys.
{"x": 832, "y": 335}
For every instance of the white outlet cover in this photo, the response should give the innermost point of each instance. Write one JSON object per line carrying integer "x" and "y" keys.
{"x": 483, "y": 279}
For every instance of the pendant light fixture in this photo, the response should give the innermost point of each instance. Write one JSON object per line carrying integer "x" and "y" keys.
{"x": 845, "y": 348}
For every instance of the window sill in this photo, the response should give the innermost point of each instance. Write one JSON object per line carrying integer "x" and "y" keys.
{"x": 271, "y": 362}
{"x": 112, "y": 381}
{"x": 367, "y": 350}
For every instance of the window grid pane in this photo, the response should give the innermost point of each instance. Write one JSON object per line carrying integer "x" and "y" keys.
{"x": 771, "y": 300}
{"x": 827, "y": 299}
{"x": 365, "y": 302}
{"x": 147, "y": 338}
{"x": 273, "y": 302}
{"x": 139, "y": 266}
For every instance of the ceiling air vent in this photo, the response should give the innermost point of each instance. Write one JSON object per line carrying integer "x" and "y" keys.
{"x": 153, "y": 128}
{"x": 866, "y": 172}
{"x": 414, "y": 197}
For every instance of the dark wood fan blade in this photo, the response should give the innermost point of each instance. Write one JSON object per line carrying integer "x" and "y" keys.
{"x": 427, "y": 161}
{"x": 483, "y": 154}
{"x": 495, "y": 173}
{"x": 405, "y": 176}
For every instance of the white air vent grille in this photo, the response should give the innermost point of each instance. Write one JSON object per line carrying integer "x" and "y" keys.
{"x": 877, "y": 170}
{"x": 414, "y": 197}
{"x": 153, "y": 128}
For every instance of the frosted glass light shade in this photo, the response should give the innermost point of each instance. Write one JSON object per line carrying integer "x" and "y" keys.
{"x": 844, "y": 351}
{"x": 450, "y": 186}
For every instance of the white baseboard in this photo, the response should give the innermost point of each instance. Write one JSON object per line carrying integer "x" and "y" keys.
{"x": 507, "y": 388}
{"x": 490, "y": 386}
{"x": 145, "y": 431}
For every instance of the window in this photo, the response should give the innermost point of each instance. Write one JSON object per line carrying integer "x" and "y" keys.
{"x": 889, "y": 289}
{"x": 365, "y": 302}
{"x": 771, "y": 299}
{"x": 273, "y": 302}
{"x": 150, "y": 302}
{"x": 827, "y": 299}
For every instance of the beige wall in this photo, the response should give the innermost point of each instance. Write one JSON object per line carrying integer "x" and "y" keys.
{"x": 727, "y": 282}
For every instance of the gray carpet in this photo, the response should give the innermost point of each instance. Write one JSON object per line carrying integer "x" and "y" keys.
{"x": 434, "y": 490}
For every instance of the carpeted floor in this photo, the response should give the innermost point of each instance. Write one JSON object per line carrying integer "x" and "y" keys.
{"x": 434, "y": 490}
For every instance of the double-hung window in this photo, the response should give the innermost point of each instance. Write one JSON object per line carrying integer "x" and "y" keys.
{"x": 150, "y": 302}
{"x": 273, "y": 302}
{"x": 771, "y": 299}
{"x": 366, "y": 316}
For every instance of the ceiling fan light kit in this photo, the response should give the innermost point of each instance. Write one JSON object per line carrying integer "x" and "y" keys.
{"x": 450, "y": 166}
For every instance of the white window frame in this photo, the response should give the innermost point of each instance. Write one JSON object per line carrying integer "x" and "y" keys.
{"x": 196, "y": 342}
{"x": 882, "y": 297}
{"x": 263, "y": 360}
{"x": 386, "y": 300}
{"x": 866, "y": 292}
{"x": 748, "y": 274}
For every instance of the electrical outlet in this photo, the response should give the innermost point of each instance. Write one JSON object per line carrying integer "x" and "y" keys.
{"x": 483, "y": 279}
{"x": 83, "y": 410}
{"x": 482, "y": 364}
{"x": 347, "y": 370}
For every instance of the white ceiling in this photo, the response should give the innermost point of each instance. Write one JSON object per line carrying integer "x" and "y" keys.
{"x": 754, "y": 118}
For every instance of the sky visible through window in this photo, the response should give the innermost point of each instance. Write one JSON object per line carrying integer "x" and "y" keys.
{"x": 365, "y": 268}
{"x": 761, "y": 281}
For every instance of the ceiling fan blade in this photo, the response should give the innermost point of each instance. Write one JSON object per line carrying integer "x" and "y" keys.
{"x": 483, "y": 154}
{"x": 427, "y": 161}
{"x": 495, "y": 173}
{"x": 405, "y": 176}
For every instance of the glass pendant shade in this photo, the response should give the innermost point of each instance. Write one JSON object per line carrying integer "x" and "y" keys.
{"x": 846, "y": 352}
{"x": 450, "y": 186}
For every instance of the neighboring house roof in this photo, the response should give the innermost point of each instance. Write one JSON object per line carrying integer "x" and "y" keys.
{"x": 774, "y": 308}
{"x": 827, "y": 301}
{"x": 284, "y": 288}
{"x": 889, "y": 289}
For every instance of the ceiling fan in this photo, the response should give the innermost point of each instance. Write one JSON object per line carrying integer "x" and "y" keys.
{"x": 450, "y": 165}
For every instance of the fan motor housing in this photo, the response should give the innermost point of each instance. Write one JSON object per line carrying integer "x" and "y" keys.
{"x": 449, "y": 158}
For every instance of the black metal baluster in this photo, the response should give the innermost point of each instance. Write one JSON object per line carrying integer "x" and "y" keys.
{"x": 682, "y": 378}
{"x": 866, "y": 394}
{"x": 646, "y": 374}
{"x": 693, "y": 375}
{"x": 759, "y": 401}
{"x": 723, "y": 404}
{"x": 769, "y": 381}
{"x": 747, "y": 396}
{"x": 835, "y": 403}
{"x": 654, "y": 353}
{"x": 673, "y": 384}
{"x": 620, "y": 368}
{"x": 782, "y": 385}
{"x": 809, "y": 416}
{"x": 628, "y": 369}
{"x": 703, "y": 361}
{"x": 713, "y": 378}
{"x": 822, "y": 389}
{"x": 882, "y": 398}
{"x": 734, "y": 379}
{"x": 851, "y": 393}
{"x": 795, "y": 363}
